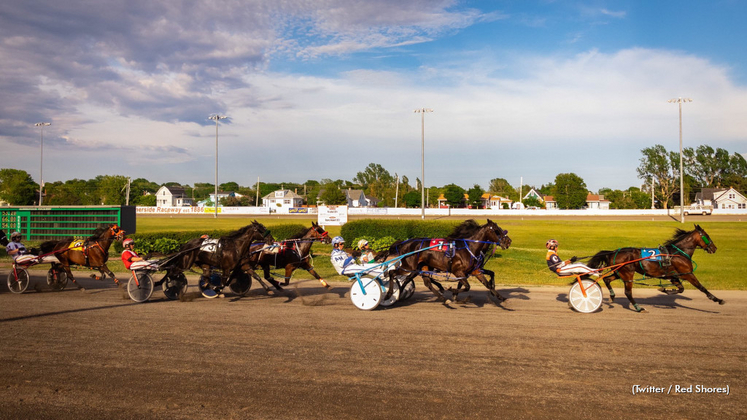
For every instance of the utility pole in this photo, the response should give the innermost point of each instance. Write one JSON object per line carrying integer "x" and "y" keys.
{"x": 679, "y": 101}
{"x": 422, "y": 112}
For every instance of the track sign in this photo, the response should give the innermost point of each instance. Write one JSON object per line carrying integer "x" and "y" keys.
{"x": 332, "y": 215}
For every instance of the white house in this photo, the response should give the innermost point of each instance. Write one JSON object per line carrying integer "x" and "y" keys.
{"x": 490, "y": 201}
{"x": 597, "y": 202}
{"x": 356, "y": 198}
{"x": 550, "y": 203}
{"x": 282, "y": 200}
{"x": 172, "y": 197}
{"x": 721, "y": 198}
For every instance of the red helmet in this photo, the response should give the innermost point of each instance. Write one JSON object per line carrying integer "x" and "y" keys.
{"x": 127, "y": 242}
{"x": 551, "y": 244}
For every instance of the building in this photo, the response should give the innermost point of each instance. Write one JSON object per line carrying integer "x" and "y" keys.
{"x": 532, "y": 194}
{"x": 356, "y": 198}
{"x": 172, "y": 197}
{"x": 550, "y": 203}
{"x": 597, "y": 202}
{"x": 282, "y": 200}
{"x": 721, "y": 198}
{"x": 490, "y": 201}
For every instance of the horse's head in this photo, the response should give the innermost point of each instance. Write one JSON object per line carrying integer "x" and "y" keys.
{"x": 317, "y": 232}
{"x": 261, "y": 233}
{"x": 703, "y": 240}
{"x": 116, "y": 232}
{"x": 498, "y": 235}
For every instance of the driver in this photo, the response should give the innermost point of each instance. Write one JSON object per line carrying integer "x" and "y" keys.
{"x": 15, "y": 248}
{"x": 129, "y": 255}
{"x": 346, "y": 266}
{"x": 367, "y": 255}
{"x": 565, "y": 268}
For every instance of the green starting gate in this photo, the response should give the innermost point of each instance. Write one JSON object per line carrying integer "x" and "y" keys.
{"x": 52, "y": 222}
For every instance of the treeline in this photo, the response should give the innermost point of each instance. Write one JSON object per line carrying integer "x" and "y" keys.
{"x": 705, "y": 167}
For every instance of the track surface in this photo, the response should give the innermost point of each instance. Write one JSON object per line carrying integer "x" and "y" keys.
{"x": 308, "y": 353}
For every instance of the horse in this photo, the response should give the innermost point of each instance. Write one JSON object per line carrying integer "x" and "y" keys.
{"x": 464, "y": 254}
{"x": 226, "y": 253}
{"x": 674, "y": 263}
{"x": 3, "y": 239}
{"x": 291, "y": 254}
{"x": 92, "y": 252}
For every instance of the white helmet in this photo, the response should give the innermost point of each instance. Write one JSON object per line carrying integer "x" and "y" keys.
{"x": 127, "y": 242}
{"x": 15, "y": 235}
{"x": 362, "y": 243}
{"x": 338, "y": 240}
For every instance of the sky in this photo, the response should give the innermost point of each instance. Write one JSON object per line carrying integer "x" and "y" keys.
{"x": 313, "y": 90}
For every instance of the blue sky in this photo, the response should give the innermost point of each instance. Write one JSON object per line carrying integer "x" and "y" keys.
{"x": 318, "y": 90}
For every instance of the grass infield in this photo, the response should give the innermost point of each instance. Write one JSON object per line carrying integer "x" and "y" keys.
{"x": 524, "y": 263}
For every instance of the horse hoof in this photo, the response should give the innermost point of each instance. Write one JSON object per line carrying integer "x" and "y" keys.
{"x": 82, "y": 289}
{"x": 447, "y": 301}
{"x": 721, "y": 301}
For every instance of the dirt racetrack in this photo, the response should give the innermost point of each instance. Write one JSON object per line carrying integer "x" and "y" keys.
{"x": 309, "y": 353}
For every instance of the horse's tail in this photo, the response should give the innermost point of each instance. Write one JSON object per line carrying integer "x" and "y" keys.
{"x": 392, "y": 250}
{"x": 48, "y": 246}
{"x": 3, "y": 238}
{"x": 600, "y": 259}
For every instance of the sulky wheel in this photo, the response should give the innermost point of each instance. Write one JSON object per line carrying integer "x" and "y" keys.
{"x": 240, "y": 284}
{"x": 209, "y": 285}
{"x": 395, "y": 293}
{"x": 57, "y": 278}
{"x": 175, "y": 285}
{"x": 18, "y": 280}
{"x": 365, "y": 293}
{"x": 593, "y": 300}
{"x": 406, "y": 290}
{"x": 140, "y": 289}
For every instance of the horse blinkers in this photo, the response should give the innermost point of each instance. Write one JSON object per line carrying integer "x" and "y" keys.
{"x": 707, "y": 243}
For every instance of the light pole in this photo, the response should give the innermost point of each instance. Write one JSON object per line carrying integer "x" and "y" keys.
{"x": 41, "y": 126}
{"x": 422, "y": 112}
{"x": 679, "y": 101}
{"x": 216, "y": 117}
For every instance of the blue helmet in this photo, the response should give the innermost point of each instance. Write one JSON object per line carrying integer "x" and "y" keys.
{"x": 338, "y": 240}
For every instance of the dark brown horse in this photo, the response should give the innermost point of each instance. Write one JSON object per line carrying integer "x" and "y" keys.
{"x": 92, "y": 252}
{"x": 464, "y": 254}
{"x": 290, "y": 254}
{"x": 225, "y": 253}
{"x": 674, "y": 263}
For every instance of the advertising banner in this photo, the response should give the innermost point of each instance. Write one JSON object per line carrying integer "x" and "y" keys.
{"x": 332, "y": 215}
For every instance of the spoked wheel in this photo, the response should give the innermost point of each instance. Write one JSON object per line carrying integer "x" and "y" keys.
{"x": 366, "y": 297}
{"x": 210, "y": 285}
{"x": 175, "y": 285}
{"x": 18, "y": 280}
{"x": 141, "y": 289}
{"x": 593, "y": 300}
{"x": 240, "y": 284}
{"x": 395, "y": 293}
{"x": 407, "y": 289}
{"x": 56, "y": 278}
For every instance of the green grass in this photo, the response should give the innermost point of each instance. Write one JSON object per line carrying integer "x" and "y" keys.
{"x": 524, "y": 263}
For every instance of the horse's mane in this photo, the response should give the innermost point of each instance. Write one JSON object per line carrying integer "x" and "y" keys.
{"x": 300, "y": 234}
{"x": 678, "y": 236}
{"x": 465, "y": 230}
{"x": 96, "y": 235}
{"x": 241, "y": 232}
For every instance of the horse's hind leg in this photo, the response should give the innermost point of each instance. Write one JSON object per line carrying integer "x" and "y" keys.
{"x": 694, "y": 281}
{"x": 677, "y": 283}
{"x": 629, "y": 294}
{"x": 608, "y": 282}
{"x": 427, "y": 282}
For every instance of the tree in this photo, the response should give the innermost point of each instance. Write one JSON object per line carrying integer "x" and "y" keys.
{"x": 501, "y": 187}
{"x": 531, "y": 202}
{"x": 412, "y": 199}
{"x": 228, "y": 186}
{"x": 377, "y": 181}
{"x": 17, "y": 187}
{"x": 332, "y": 195}
{"x": 570, "y": 191}
{"x": 475, "y": 196}
{"x": 454, "y": 195}
{"x": 111, "y": 189}
{"x": 663, "y": 167}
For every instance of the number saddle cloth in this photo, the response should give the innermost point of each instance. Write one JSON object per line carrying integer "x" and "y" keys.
{"x": 660, "y": 255}
{"x": 441, "y": 245}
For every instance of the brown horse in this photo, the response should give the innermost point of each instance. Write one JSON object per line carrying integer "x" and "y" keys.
{"x": 92, "y": 252}
{"x": 290, "y": 254}
{"x": 225, "y": 253}
{"x": 465, "y": 255}
{"x": 674, "y": 263}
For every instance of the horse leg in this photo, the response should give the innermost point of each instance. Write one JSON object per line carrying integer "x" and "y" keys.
{"x": 439, "y": 295}
{"x": 608, "y": 282}
{"x": 489, "y": 284}
{"x": 694, "y": 281}
{"x": 106, "y": 272}
{"x": 629, "y": 294}
{"x": 313, "y": 272}
{"x": 677, "y": 283}
{"x": 70, "y": 277}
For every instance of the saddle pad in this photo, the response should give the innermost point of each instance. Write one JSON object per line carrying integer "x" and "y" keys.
{"x": 76, "y": 245}
{"x": 209, "y": 245}
{"x": 440, "y": 243}
{"x": 651, "y": 254}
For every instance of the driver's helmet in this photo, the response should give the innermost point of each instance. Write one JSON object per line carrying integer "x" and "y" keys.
{"x": 362, "y": 243}
{"x": 15, "y": 236}
{"x": 127, "y": 242}
{"x": 338, "y": 240}
{"x": 551, "y": 244}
